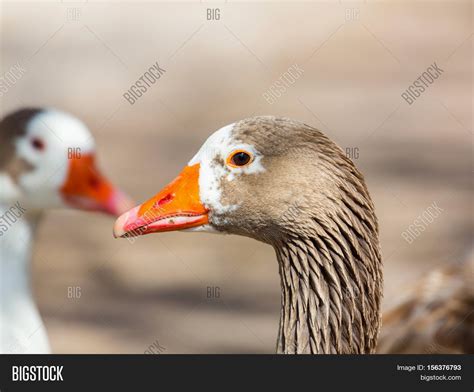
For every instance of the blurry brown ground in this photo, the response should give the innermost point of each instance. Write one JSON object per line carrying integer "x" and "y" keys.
{"x": 216, "y": 72}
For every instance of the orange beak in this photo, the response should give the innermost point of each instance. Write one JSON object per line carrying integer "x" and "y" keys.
{"x": 176, "y": 207}
{"x": 85, "y": 188}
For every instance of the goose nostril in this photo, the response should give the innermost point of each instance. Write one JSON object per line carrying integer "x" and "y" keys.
{"x": 164, "y": 200}
{"x": 94, "y": 182}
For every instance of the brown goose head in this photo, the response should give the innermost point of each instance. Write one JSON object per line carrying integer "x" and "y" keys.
{"x": 285, "y": 183}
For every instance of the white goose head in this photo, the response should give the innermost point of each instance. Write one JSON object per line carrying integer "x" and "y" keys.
{"x": 47, "y": 160}
{"x": 285, "y": 183}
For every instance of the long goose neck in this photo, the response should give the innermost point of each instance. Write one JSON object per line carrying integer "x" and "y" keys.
{"x": 21, "y": 327}
{"x": 16, "y": 241}
{"x": 331, "y": 289}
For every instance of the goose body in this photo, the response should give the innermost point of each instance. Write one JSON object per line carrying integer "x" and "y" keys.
{"x": 436, "y": 316}
{"x": 285, "y": 183}
{"x": 37, "y": 173}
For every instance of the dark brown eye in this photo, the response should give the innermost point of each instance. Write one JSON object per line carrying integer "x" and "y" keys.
{"x": 37, "y": 144}
{"x": 239, "y": 158}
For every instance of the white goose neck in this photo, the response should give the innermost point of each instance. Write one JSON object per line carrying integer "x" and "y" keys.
{"x": 17, "y": 229}
{"x": 21, "y": 328}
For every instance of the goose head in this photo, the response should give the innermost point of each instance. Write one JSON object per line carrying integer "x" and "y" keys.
{"x": 285, "y": 183}
{"x": 47, "y": 160}
{"x": 262, "y": 177}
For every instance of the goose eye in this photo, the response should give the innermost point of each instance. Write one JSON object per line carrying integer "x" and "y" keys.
{"x": 37, "y": 144}
{"x": 239, "y": 159}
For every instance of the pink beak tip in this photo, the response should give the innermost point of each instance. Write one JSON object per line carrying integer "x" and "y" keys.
{"x": 119, "y": 225}
{"x": 123, "y": 222}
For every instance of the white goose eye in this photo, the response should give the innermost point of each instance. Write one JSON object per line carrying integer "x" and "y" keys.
{"x": 239, "y": 158}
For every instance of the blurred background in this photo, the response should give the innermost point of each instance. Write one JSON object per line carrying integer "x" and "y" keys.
{"x": 357, "y": 59}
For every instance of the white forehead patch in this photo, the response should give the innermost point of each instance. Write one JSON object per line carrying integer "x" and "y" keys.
{"x": 216, "y": 149}
{"x": 220, "y": 138}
